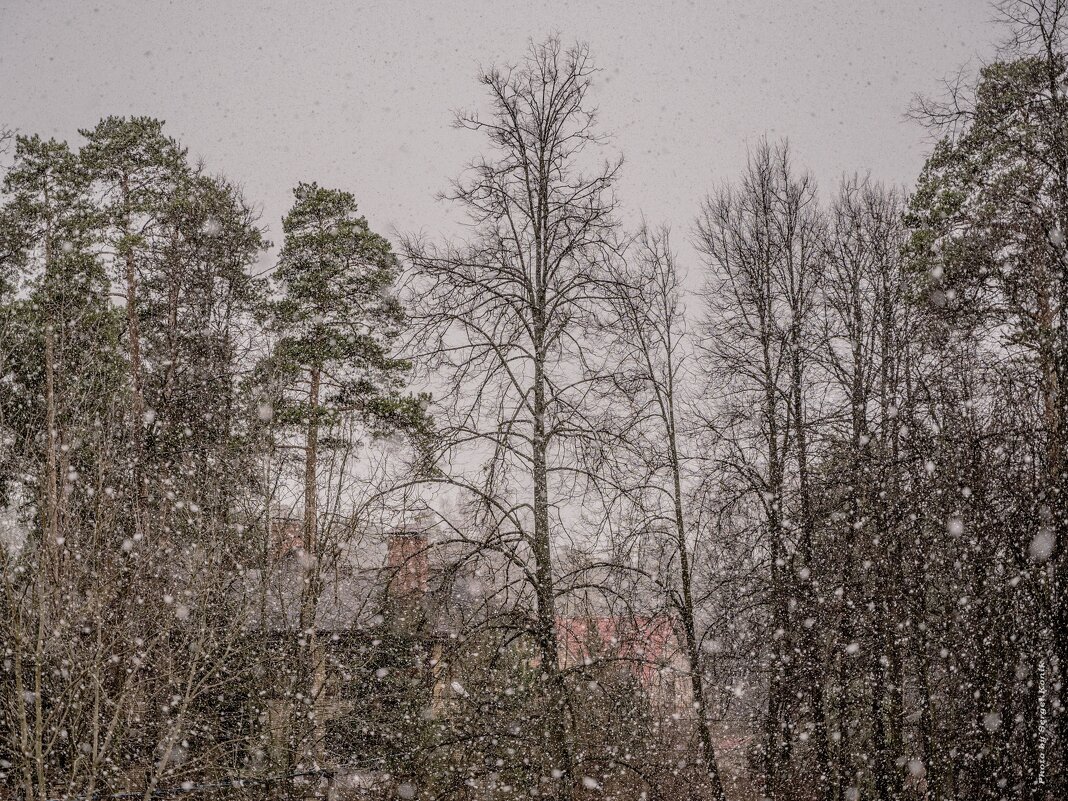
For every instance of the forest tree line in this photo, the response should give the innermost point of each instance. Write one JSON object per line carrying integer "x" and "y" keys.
{"x": 831, "y": 453}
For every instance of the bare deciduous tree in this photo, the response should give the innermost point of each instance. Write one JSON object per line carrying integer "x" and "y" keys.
{"x": 500, "y": 321}
{"x": 762, "y": 243}
{"x": 648, "y": 326}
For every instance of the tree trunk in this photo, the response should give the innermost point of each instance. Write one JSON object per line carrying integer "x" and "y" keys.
{"x": 314, "y": 665}
{"x": 689, "y": 627}
{"x": 558, "y": 728}
{"x": 812, "y": 669}
{"x": 133, "y": 334}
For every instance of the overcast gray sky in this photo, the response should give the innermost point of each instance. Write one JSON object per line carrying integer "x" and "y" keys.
{"x": 359, "y": 95}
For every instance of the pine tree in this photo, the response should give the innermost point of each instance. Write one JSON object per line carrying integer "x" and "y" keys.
{"x": 53, "y": 411}
{"x": 336, "y": 320}
{"x": 136, "y": 171}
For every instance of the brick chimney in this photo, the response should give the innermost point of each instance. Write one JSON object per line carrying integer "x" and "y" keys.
{"x": 408, "y": 563}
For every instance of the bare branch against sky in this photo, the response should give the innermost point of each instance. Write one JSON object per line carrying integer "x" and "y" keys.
{"x": 360, "y": 94}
